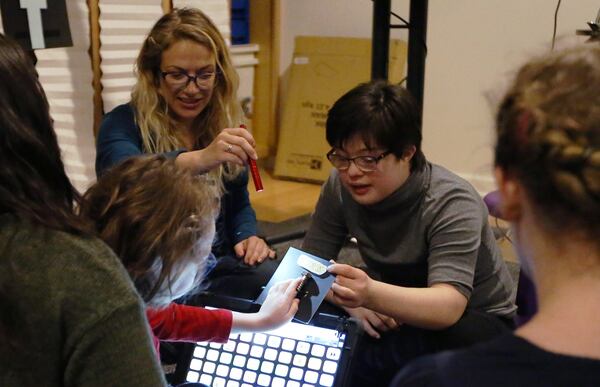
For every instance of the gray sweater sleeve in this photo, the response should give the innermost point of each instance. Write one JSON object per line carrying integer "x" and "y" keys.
{"x": 454, "y": 239}
{"x": 328, "y": 231}
{"x": 115, "y": 351}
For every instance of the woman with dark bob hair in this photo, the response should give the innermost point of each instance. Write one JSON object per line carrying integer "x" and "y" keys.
{"x": 435, "y": 278}
{"x": 69, "y": 315}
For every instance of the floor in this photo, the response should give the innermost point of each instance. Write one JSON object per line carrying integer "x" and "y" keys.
{"x": 282, "y": 200}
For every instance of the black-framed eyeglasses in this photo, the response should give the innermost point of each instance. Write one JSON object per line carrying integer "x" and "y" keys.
{"x": 364, "y": 163}
{"x": 180, "y": 79}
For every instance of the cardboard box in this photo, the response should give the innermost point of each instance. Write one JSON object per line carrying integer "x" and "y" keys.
{"x": 323, "y": 69}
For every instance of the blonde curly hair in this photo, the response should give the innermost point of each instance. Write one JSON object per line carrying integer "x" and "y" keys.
{"x": 548, "y": 136}
{"x": 157, "y": 127}
{"x": 148, "y": 209}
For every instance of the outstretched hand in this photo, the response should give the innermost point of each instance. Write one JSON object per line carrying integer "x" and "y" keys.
{"x": 280, "y": 306}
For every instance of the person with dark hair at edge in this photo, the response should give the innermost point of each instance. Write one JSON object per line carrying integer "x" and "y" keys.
{"x": 435, "y": 277}
{"x": 548, "y": 175}
{"x": 69, "y": 314}
{"x": 184, "y": 105}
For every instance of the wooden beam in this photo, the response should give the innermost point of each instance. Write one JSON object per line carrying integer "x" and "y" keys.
{"x": 265, "y": 77}
{"x": 275, "y": 55}
{"x": 94, "y": 52}
{"x": 167, "y": 6}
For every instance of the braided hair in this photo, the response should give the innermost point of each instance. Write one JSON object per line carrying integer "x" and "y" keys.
{"x": 548, "y": 136}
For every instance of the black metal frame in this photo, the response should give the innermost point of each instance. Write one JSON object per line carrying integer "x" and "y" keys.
{"x": 380, "y": 44}
{"x": 417, "y": 49}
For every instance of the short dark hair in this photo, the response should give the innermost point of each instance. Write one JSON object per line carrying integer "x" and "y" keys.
{"x": 383, "y": 114}
{"x": 33, "y": 182}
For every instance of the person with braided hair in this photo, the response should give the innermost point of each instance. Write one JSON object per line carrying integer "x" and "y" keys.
{"x": 547, "y": 160}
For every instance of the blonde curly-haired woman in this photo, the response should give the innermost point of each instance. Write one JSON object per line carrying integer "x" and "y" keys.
{"x": 184, "y": 105}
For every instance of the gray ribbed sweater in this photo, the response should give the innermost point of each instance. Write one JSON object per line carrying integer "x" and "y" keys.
{"x": 433, "y": 229}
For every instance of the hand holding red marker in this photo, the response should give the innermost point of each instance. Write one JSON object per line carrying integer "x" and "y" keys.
{"x": 254, "y": 171}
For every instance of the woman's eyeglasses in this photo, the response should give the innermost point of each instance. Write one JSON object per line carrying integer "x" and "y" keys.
{"x": 364, "y": 163}
{"x": 179, "y": 80}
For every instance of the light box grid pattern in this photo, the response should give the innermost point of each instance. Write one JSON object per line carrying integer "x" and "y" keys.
{"x": 292, "y": 356}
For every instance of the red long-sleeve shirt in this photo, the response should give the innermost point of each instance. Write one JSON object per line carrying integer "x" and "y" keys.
{"x": 189, "y": 323}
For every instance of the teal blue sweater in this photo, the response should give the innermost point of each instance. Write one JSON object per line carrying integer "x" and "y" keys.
{"x": 119, "y": 138}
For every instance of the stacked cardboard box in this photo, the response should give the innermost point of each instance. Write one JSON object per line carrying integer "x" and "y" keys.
{"x": 323, "y": 69}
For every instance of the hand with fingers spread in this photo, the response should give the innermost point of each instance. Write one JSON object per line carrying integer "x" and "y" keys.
{"x": 372, "y": 322}
{"x": 351, "y": 287}
{"x": 253, "y": 250}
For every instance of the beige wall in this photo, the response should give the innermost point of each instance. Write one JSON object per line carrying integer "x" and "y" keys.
{"x": 350, "y": 18}
{"x": 473, "y": 46}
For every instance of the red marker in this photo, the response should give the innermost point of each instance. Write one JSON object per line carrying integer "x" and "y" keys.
{"x": 254, "y": 171}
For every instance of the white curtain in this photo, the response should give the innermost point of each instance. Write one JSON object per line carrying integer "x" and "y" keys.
{"x": 123, "y": 26}
{"x": 66, "y": 75}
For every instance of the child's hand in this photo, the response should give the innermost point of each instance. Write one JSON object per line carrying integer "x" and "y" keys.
{"x": 280, "y": 305}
